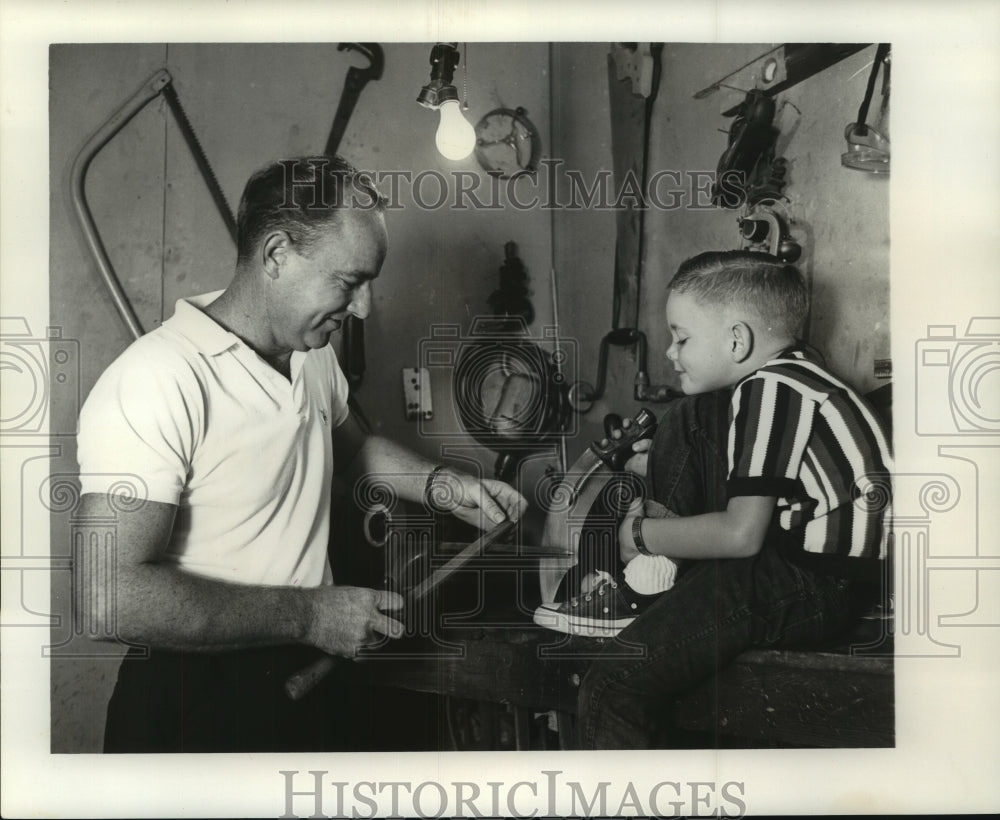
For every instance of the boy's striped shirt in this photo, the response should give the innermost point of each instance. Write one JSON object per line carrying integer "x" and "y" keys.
{"x": 802, "y": 435}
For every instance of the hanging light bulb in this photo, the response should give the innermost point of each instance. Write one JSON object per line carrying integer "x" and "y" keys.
{"x": 455, "y": 137}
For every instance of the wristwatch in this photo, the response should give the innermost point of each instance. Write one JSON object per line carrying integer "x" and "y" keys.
{"x": 637, "y": 534}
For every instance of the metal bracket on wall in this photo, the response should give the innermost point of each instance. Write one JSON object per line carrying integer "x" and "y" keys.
{"x": 777, "y": 69}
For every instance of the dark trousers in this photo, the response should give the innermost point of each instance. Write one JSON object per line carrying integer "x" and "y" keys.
{"x": 716, "y": 610}
{"x": 235, "y": 702}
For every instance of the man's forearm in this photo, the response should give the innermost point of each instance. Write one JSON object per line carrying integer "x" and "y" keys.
{"x": 404, "y": 469}
{"x": 161, "y": 606}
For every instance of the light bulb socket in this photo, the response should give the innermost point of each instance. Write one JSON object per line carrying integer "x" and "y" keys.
{"x": 435, "y": 94}
{"x": 443, "y": 60}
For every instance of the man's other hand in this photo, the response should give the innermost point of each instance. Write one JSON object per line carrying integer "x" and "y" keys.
{"x": 484, "y": 503}
{"x": 345, "y": 619}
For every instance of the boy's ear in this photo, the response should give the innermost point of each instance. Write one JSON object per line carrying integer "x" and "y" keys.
{"x": 741, "y": 342}
{"x": 273, "y": 252}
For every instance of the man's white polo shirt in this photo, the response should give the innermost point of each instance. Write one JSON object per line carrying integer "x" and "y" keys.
{"x": 191, "y": 416}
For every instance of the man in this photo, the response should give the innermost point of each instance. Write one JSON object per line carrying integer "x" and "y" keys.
{"x": 230, "y": 420}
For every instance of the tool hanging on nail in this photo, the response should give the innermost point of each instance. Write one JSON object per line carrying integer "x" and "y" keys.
{"x": 159, "y": 83}
{"x": 357, "y": 78}
{"x": 353, "y": 332}
{"x": 633, "y": 83}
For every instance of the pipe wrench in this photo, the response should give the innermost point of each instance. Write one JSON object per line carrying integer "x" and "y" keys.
{"x": 357, "y": 79}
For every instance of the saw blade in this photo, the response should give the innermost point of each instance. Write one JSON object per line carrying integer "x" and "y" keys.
{"x": 476, "y": 548}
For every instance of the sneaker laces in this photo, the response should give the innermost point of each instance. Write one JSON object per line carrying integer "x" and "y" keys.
{"x": 602, "y": 580}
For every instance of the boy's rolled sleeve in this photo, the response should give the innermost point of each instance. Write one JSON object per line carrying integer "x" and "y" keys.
{"x": 772, "y": 422}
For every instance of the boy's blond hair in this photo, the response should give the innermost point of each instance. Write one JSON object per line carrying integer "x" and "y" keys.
{"x": 759, "y": 283}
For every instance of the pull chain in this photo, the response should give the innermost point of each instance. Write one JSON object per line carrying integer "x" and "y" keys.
{"x": 465, "y": 76}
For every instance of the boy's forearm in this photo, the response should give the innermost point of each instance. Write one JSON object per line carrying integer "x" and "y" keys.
{"x": 736, "y": 532}
{"x": 697, "y": 536}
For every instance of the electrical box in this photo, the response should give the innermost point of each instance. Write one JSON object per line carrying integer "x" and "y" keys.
{"x": 417, "y": 393}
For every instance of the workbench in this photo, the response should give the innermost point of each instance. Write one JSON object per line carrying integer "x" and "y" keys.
{"x": 513, "y": 685}
{"x": 518, "y": 683}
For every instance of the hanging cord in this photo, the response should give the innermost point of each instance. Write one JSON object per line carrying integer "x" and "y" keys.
{"x": 465, "y": 76}
{"x": 880, "y": 54}
{"x": 557, "y": 355}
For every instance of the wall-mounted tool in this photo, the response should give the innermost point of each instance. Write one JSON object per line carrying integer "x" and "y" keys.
{"x": 357, "y": 78}
{"x": 583, "y": 395}
{"x": 633, "y": 84}
{"x": 353, "y": 332}
{"x": 763, "y": 229}
{"x": 867, "y": 145}
{"x": 512, "y": 297}
{"x": 159, "y": 83}
{"x": 417, "y": 393}
{"x": 748, "y": 169}
{"x": 507, "y": 143}
{"x": 509, "y": 395}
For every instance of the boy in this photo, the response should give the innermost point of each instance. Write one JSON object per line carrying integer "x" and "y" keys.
{"x": 783, "y": 512}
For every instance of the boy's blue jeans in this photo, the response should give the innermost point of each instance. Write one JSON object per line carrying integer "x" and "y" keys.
{"x": 716, "y": 610}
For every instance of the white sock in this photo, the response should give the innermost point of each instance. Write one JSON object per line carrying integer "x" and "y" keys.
{"x": 649, "y": 574}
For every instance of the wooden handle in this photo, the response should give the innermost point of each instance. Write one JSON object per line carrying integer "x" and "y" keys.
{"x": 304, "y": 681}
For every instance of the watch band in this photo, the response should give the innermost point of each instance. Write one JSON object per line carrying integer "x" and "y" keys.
{"x": 637, "y": 535}
{"x": 428, "y": 487}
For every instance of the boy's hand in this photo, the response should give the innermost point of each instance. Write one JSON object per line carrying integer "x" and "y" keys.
{"x": 639, "y": 463}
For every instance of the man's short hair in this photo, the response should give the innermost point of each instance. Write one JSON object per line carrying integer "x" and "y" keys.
{"x": 302, "y": 196}
{"x": 761, "y": 284}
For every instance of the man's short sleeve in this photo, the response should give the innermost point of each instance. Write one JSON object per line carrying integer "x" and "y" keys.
{"x": 340, "y": 390}
{"x": 137, "y": 425}
{"x": 772, "y": 422}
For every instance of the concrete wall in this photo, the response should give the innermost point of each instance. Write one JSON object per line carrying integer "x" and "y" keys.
{"x": 252, "y": 103}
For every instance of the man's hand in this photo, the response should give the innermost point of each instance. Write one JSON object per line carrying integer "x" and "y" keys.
{"x": 344, "y": 619}
{"x": 484, "y": 503}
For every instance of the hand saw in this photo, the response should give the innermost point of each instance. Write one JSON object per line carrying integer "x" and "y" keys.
{"x": 160, "y": 83}
{"x": 304, "y": 681}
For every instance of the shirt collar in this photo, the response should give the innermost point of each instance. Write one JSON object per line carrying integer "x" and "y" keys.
{"x": 191, "y": 321}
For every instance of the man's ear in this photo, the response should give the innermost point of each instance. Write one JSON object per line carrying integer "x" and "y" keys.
{"x": 741, "y": 342}
{"x": 274, "y": 251}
